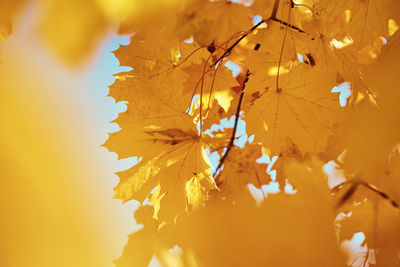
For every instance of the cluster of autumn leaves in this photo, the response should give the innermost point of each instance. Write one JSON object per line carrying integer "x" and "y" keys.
{"x": 180, "y": 86}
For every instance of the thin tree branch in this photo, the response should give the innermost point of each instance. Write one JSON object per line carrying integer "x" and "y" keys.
{"x": 229, "y": 50}
{"x": 347, "y": 195}
{"x": 272, "y": 17}
{"x": 380, "y": 193}
{"x": 352, "y": 190}
{"x": 275, "y": 9}
{"x": 288, "y": 25}
{"x": 366, "y": 258}
{"x": 230, "y": 144}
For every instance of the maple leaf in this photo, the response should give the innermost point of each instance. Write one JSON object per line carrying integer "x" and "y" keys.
{"x": 240, "y": 170}
{"x": 214, "y": 115}
{"x": 274, "y": 65}
{"x": 158, "y": 131}
{"x": 150, "y": 18}
{"x": 282, "y": 225}
{"x": 288, "y": 154}
{"x": 373, "y": 122}
{"x": 266, "y": 58}
{"x": 173, "y": 160}
{"x": 301, "y": 109}
{"x": 289, "y": 62}
{"x": 214, "y": 84}
{"x": 263, "y": 8}
{"x": 179, "y": 20}
{"x": 153, "y": 60}
{"x": 379, "y": 221}
{"x": 215, "y": 21}
{"x": 147, "y": 242}
{"x": 322, "y": 41}
{"x": 287, "y": 104}
{"x": 365, "y": 20}
{"x": 286, "y": 101}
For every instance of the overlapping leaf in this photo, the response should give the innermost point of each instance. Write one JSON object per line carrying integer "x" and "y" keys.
{"x": 147, "y": 242}
{"x": 295, "y": 225}
{"x": 365, "y": 20}
{"x": 156, "y": 129}
{"x": 293, "y": 63}
{"x": 301, "y": 109}
{"x": 240, "y": 170}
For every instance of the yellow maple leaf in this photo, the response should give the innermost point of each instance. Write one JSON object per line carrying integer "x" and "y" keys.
{"x": 153, "y": 239}
{"x": 156, "y": 129}
{"x": 301, "y": 108}
{"x": 241, "y": 169}
{"x": 295, "y": 225}
{"x": 373, "y": 124}
{"x": 265, "y": 58}
{"x": 180, "y": 20}
{"x": 379, "y": 221}
{"x": 173, "y": 160}
{"x": 365, "y": 20}
{"x": 215, "y": 84}
{"x": 213, "y": 21}
{"x": 149, "y": 18}
{"x": 290, "y": 152}
{"x": 214, "y": 115}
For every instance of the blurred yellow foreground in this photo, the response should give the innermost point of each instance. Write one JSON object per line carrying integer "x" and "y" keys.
{"x": 57, "y": 182}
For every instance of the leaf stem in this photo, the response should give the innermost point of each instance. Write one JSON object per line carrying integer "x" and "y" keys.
{"x": 211, "y": 89}
{"x": 201, "y": 94}
{"x": 281, "y": 54}
{"x": 194, "y": 51}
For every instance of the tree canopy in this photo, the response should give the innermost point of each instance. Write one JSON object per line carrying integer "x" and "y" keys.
{"x": 315, "y": 83}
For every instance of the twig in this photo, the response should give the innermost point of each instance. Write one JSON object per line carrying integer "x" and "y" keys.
{"x": 272, "y": 17}
{"x": 288, "y": 25}
{"x": 229, "y": 50}
{"x": 380, "y": 193}
{"x": 347, "y": 195}
{"x": 366, "y": 259}
{"x": 352, "y": 190}
{"x": 230, "y": 144}
{"x": 275, "y": 9}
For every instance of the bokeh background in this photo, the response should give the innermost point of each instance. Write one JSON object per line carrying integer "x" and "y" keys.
{"x": 56, "y": 199}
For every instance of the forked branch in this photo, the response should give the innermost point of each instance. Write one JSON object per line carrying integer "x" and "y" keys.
{"x": 272, "y": 17}
{"x": 229, "y": 50}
